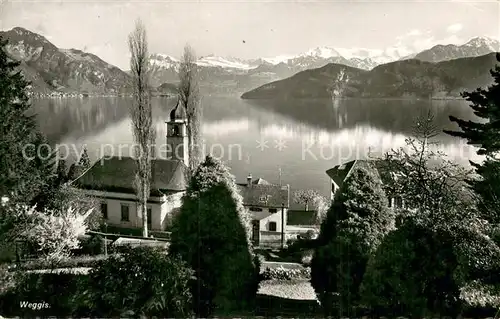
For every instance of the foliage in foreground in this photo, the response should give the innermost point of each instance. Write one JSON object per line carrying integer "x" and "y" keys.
{"x": 485, "y": 103}
{"x": 354, "y": 226}
{"x": 444, "y": 255}
{"x": 54, "y": 233}
{"x": 52, "y": 293}
{"x": 212, "y": 234}
{"x": 409, "y": 273}
{"x": 142, "y": 281}
{"x": 423, "y": 271}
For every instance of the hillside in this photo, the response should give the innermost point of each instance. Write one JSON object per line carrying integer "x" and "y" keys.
{"x": 402, "y": 79}
{"x": 314, "y": 83}
{"x": 66, "y": 70}
{"x": 166, "y": 89}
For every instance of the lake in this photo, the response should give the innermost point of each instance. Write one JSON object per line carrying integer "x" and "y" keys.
{"x": 303, "y": 138}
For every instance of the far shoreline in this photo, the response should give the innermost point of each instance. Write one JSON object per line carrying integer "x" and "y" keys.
{"x": 449, "y": 98}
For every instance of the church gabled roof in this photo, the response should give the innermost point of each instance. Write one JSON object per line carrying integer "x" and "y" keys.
{"x": 117, "y": 174}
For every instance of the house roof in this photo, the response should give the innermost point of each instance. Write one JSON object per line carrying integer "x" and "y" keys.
{"x": 265, "y": 195}
{"x": 301, "y": 217}
{"x": 118, "y": 174}
{"x": 339, "y": 173}
{"x": 260, "y": 181}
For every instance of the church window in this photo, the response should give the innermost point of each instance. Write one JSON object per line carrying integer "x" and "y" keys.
{"x": 176, "y": 130}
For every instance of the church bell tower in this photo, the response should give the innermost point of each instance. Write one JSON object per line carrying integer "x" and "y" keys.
{"x": 177, "y": 137}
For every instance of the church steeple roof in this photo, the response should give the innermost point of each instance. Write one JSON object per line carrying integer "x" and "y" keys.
{"x": 178, "y": 113}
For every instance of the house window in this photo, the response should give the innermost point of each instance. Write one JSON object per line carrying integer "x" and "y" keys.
{"x": 104, "y": 210}
{"x": 398, "y": 203}
{"x": 125, "y": 213}
{"x": 272, "y": 210}
{"x": 272, "y": 226}
{"x": 255, "y": 209}
{"x": 149, "y": 215}
{"x": 390, "y": 202}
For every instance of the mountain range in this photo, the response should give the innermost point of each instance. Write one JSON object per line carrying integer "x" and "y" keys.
{"x": 50, "y": 68}
{"x": 410, "y": 78}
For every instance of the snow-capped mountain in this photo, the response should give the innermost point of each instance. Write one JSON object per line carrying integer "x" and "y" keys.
{"x": 163, "y": 61}
{"x": 229, "y": 63}
{"x": 483, "y": 43}
{"x": 321, "y": 52}
{"x": 474, "y": 47}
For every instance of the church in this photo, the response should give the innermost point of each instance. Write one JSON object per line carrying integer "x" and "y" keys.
{"x": 111, "y": 181}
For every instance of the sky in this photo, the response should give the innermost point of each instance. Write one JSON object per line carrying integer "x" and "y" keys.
{"x": 250, "y": 28}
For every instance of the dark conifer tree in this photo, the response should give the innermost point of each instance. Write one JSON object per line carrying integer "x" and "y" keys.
{"x": 25, "y": 161}
{"x": 486, "y": 135}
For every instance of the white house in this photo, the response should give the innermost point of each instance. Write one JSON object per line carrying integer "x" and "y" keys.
{"x": 112, "y": 179}
{"x": 269, "y": 205}
{"x": 340, "y": 173}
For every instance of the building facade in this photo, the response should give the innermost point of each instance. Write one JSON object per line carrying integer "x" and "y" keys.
{"x": 268, "y": 205}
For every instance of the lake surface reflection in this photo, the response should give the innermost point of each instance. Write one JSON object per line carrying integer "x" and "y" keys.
{"x": 303, "y": 138}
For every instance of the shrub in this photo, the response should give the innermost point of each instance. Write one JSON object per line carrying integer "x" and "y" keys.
{"x": 307, "y": 257}
{"x": 354, "y": 226}
{"x": 54, "y": 232}
{"x": 142, "y": 281}
{"x": 282, "y": 273}
{"x": 212, "y": 234}
{"x": 91, "y": 245}
{"x": 412, "y": 273}
{"x": 52, "y": 292}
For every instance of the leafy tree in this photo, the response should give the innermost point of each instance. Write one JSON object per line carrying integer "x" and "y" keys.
{"x": 306, "y": 197}
{"x": 486, "y": 135}
{"x": 142, "y": 281}
{"x": 354, "y": 226}
{"x": 25, "y": 161}
{"x": 212, "y": 234}
{"x": 189, "y": 94}
{"x": 431, "y": 185}
{"x": 320, "y": 204}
